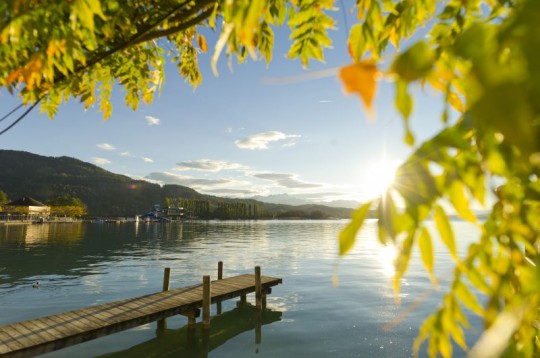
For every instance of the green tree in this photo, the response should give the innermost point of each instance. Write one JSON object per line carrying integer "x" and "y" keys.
{"x": 482, "y": 55}
{"x": 3, "y": 198}
{"x": 67, "y": 206}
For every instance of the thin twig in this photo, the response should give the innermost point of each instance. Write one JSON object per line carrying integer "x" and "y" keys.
{"x": 22, "y": 116}
{"x": 11, "y": 112}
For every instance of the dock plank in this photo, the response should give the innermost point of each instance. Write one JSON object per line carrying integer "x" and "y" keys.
{"x": 45, "y": 334}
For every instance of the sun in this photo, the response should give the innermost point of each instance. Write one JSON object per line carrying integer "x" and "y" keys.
{"x": 379, "y": 176}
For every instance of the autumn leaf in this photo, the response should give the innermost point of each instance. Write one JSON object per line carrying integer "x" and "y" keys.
{"x": 13, "y": 76}
{"x": 360, "y": 78}
{"x": 201, "y": 40}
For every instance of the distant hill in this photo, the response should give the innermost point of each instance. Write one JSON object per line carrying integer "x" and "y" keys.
{"x": 287, "y": 199}
{"x": 103, "y": 192}
{"x": 109, "y": 194}
{"x": 284, "y": 199}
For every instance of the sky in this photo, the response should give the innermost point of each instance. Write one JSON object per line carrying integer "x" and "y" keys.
{"x": 253, "y": 130}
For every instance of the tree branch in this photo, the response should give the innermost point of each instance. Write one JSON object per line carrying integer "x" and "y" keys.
{"x": 143, "y": 35}
{"x": 11, "y": 112}
{"x": 22, "y": 116}
{"x": 156, "y": 34}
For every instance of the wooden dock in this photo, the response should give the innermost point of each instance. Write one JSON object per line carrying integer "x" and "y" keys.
{"x": 46, "y": 334}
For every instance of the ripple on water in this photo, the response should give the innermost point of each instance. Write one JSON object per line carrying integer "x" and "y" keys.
{"x": 358, "y": 317}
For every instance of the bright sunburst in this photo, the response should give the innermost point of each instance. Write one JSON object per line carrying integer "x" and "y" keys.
{"x": 379, "y": 177}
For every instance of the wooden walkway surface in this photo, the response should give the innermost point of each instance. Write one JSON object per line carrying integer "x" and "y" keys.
{"x": 50, "y": 333}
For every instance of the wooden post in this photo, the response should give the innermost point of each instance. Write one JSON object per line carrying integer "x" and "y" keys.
{"x": 219, "y": 277}
{"x": 206, "y": 302}
{"x": 192, "y": 317}
{"x": 166, "y": 278}
{"x": 258, "y": 288}
{"x": 220, "y": 270}
{"x": 162, "y": 323}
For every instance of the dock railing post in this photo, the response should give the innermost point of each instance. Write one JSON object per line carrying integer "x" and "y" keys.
{"x": 220, "y": 270}
{"x": 206, "y": 302}
{"x": 219, "y": 277}
{"x": 258, "y": 287}
{"x": 166, "y": 278}
{"x": 162, "y": 323}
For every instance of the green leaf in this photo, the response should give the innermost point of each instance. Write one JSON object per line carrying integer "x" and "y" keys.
{"x": 83, "y": 12}
{"x": 460, "y": 201}
{"x": 95, "y": 6}
{"x": 415, "y": 183}
{"x": 266, "y": 41}
{"x": 404, "y": 101}
{"x": 356, "y": 42}
{"x": 469, "y": 300}
{"x": 426, "y": 252}
{"x": 449, "y": 11}
{"x": 402, "y": 261}
{"x": 390, "y": 223}
{"x": 415, "y": 63}
{"x": 445, "y": 230}
{"x": 347, "y": 236}
{"x": 476, "y": 42}
{"x": 424, "y": 332}
{"x": 501, "y": 102}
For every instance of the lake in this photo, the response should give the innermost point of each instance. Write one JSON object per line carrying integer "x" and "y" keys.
{"x": 309, "y": 315}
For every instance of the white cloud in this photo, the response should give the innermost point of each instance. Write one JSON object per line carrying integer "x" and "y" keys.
{"x": 286, "y": 180}
{"x": 261, "y": 140}
{"x": 208, "y": 165}
{"x": 147, "y": 160}
{"x": 101, "y": 161}
{"x": 169, "y": 178}
{"x": 231, "y": 192}
{"x": 106, "y": 146}
{"x": 125, "y": 154}
{"x": 152, "y": 121}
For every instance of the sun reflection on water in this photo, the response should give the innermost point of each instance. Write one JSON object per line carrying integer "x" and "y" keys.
{"x": 387, "y": 255}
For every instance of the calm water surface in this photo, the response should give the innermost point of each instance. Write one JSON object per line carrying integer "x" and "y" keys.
{"x": 80, "y": 265}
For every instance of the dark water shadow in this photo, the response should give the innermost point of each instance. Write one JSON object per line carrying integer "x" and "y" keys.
{"x": 198, "y": 342}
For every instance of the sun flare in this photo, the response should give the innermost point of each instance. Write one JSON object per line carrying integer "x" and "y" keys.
{"x": 379, "y": 177}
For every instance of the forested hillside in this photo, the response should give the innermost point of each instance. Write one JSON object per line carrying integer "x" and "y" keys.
{"x": 109, "y": 194}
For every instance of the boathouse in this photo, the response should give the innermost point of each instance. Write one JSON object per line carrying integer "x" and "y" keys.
{"x": 26, "y": 206}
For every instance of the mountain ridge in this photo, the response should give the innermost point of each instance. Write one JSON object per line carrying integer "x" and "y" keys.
{"x": 287, "y": 199}
{"x": 108, "y": 194}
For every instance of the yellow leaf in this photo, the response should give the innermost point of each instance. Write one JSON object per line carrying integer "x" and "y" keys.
{"x": 426, "y": 252}
{"x": 468, "y": 298}
{"x": 360, "y": 78}
{"x": 445, "y": 230}
{"x": 456, "y": 102}
{"x": 201, "y": 40}
{"x": 459, "y": 199}
{"x": 347, "y": 236}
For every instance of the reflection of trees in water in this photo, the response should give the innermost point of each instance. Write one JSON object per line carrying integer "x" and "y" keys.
{"x": 197, "y": 342}
{"x": 76, "y": 249}
{"x": 67, "y": 233}
{"x": 38, "y": 249}
{"x": 72, "y": 250}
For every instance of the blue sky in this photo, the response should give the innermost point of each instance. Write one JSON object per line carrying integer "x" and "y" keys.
{"x": 239, "y": 134}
